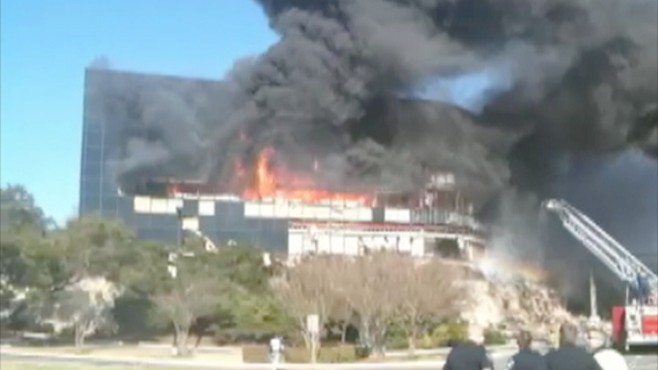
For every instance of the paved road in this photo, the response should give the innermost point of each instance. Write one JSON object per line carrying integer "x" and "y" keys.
{"x": 636, "y": 362}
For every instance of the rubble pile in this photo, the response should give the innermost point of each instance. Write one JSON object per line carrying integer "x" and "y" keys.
{"x": 512, "y": 304}
{"x": 531, "y": 306}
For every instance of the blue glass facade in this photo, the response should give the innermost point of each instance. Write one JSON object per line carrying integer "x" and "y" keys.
{"x": 106, "y": 123}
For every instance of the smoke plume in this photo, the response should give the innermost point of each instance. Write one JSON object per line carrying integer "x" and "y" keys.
{"x": 373, "y": 90}
{"x": 565, "y": 76}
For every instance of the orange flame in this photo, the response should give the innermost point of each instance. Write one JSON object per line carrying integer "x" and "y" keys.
{"x": 266, "y": 184}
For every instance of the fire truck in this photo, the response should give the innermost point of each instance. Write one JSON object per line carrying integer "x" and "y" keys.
{"x": 635, "y": 323}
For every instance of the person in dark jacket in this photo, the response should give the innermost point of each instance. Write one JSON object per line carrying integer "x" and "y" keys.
{"x": 569, "y": 356}
{"x": 469, "y": 355}
{"x": 526, "y": 358}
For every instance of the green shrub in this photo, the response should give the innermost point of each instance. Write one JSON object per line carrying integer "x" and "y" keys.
{"x": 255, "y": 353}
{"x": 396, "y": 338}
{"x": 331, "y": 354}
{"x": 231, "y": 336}
{"x": 494, "y": 337}
{"x": 362, "y": 351}
{"x": 297, "y": 354}
{"x": 340, "y": 353}
{"x": 425, "y": 342}
{"x": 133, "y": 316}
{"x": 448, "y": 332}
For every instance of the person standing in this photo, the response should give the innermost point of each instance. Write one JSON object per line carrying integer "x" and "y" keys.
{"x": 469, "y": 355}
{"x": 569, "y": 356}
{"x": 607, "y": 357}
{"x": 276, "y": 350}
{"x": 526, "y": 358}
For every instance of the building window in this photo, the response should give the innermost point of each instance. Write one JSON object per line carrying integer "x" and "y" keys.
{"x": 206, "y": 208}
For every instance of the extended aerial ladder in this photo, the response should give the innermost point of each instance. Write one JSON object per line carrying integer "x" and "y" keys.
{"x": 637, "y": 322}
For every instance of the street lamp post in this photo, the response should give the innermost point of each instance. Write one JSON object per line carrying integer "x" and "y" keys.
{"x": 173, "y": 255}
{"x": 179, "y": 228}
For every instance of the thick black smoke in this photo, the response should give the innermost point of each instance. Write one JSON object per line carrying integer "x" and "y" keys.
{"x": 582, "y": 73}
{"x": 580, "y": 76}
{"x": 573, "y": 79}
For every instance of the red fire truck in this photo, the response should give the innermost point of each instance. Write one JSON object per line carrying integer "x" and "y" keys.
{"x": 635, "y": 323}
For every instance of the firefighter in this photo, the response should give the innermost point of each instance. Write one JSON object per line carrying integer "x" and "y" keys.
{"x": 526, "y": 358}
{"x": 569, "y": 356}
{"x": 469, "y": 355}
{"x": 644, "y": 289}
{"x": 607, "y": 357}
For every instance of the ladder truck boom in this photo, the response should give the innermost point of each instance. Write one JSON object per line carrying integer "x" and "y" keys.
{"x": 633, "y": 324}
{"x": 609, "y": 251}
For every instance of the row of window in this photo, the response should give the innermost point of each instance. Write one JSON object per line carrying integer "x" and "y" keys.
{"x": 266, "y": 240}
{"x": 118, "y": 207}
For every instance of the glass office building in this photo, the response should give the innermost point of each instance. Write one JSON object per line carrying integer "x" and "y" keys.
{"x": 116, "y": 107}
{"x": 131, "y": 117}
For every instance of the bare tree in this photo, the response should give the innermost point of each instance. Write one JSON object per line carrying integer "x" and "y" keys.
{"x": 308, "y": 288}
{"x": 376, "y": 289}
{"x": 427, "y": 291}
{"x": 194, "y": 291}
{"x": 184, "y": 303}
{"x": 87, "y": 307}
{"x": 369, "y": 285}
{"x": 341, "y": 313}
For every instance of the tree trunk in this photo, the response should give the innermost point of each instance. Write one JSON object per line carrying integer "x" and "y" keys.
{"x": 181, "y": 335}
{"x": 372, "y": 335}
{"x": 315, "y": 348}
{"x": 364, "y": 333}
{"x": 182, "y": 342}
{"x": 412, "y": 345}
{"x": 411, "y": 340}
{"x": 79, "y": 336}
{"x": 378, "y": 336}
{"x": 199, "y": 337}
{"x": 343, "y": 332}
{"x": 412, "y": 334}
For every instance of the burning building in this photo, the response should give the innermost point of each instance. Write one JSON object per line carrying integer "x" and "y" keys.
{"x": 263, "y": 201}
{"x": 325, "y": 132}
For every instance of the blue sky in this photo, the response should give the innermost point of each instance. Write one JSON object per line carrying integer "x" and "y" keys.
{"x": 470, "y": 90}
{"x": 47, "y": 44}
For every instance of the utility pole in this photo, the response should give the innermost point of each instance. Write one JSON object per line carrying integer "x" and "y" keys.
{"x": 173, "y": 255}
{"x": 172, "y": 264}
{"x": 179, "y": 215}
{"x": 594, "y": 318}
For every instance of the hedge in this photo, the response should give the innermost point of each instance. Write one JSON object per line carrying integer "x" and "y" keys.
{"x": 494, "y": 337}
{"x": 328, "y": 354}
{"x": 449, "y": 332}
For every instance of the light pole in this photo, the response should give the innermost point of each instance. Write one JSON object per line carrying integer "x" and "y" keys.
{"x": 173, "y": 268}
{"x": 173, "y": 255}
{"x": 179, "y": 228}
{"x": 594, "y": 318}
